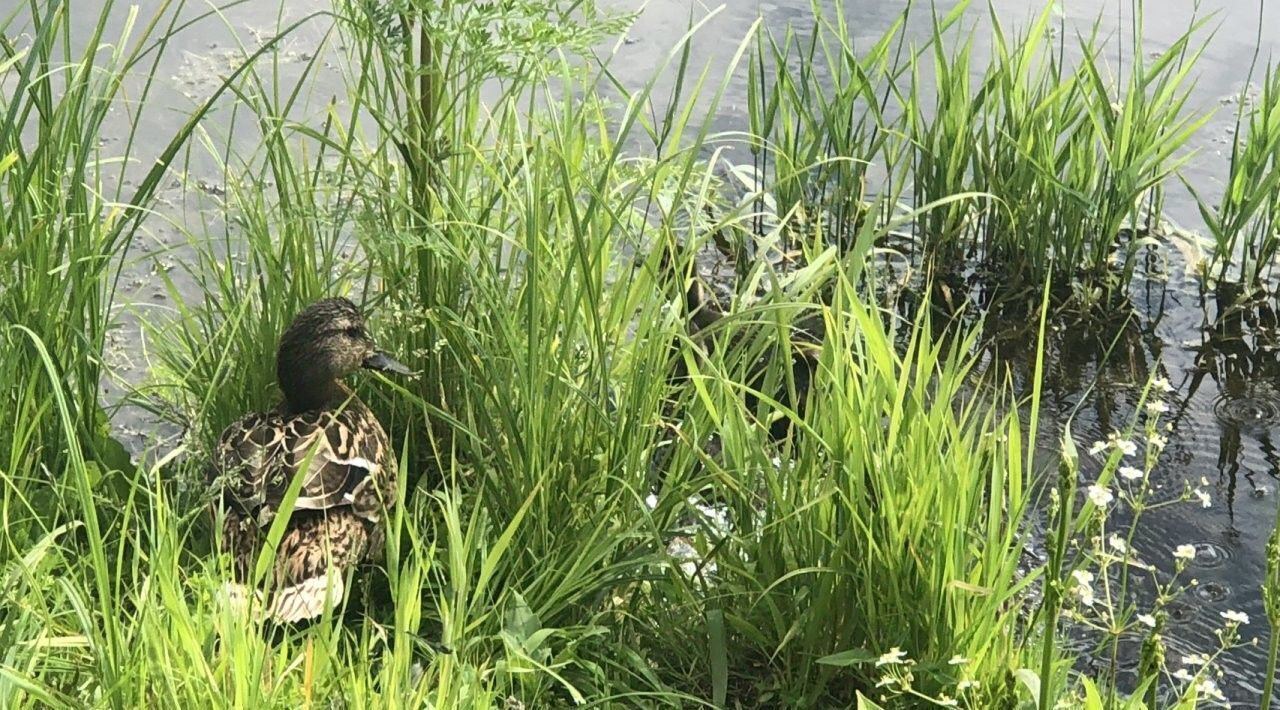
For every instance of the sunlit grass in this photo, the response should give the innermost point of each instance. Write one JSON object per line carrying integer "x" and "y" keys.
{"x": 510, "y": 245}
{"x": 1069, "y": 151}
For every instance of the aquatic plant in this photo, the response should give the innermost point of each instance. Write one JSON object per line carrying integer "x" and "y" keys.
{"x": 1094, "y": 566}
{"x": 1245, "y": 222}
{"x": 1066, "y": 160}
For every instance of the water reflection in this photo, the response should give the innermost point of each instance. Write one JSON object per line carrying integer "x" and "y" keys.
{"x": 1238, "y": 354}
{"x": 1223, "y": 363}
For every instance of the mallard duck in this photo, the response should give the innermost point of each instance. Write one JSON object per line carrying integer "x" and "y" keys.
{"x": 322, "y": 432}
{"x": 703, "y": 315}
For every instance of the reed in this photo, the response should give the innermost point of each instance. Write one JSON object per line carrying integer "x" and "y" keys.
{"x": 1072, "y": 158}
{"x": 1245, "y": 221}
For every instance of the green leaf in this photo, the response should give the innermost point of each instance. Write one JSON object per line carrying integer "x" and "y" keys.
{"x": 521, "y": 621}
{"x": 1092, "y": 699}
{"x": 1070, "y": 456}
{"x": 865, "y": 703}
{"x": 852, "y": 657}
{"x": 1029, "y": 679}
{"x": 719, "y": 657}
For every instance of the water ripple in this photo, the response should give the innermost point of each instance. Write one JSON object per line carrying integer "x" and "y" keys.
{"x": 1210, "y": 555}
{"x": 1212, "y": 591}
{"x": 1258, "y": 407}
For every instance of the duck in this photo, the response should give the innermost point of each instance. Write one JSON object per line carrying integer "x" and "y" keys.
{"x": 703, "y": 316}
{"x": 322, "y": 432}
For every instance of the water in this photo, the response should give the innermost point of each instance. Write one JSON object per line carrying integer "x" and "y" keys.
{"x": 1227, "y": 376}
{"x": 1225, "y": 404}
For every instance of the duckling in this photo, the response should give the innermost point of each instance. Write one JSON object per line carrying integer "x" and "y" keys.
{"x": 324, "y": 433}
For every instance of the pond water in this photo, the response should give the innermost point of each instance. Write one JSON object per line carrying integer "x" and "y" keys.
{"x": 1226, "y": 374}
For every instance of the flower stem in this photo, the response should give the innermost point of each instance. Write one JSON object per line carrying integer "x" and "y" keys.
{"x": 1271, "y": 604}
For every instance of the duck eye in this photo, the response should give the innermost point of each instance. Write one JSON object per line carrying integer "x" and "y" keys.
{"x": 355, "y": 331}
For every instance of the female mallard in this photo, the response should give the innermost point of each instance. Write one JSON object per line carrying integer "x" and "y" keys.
{"x": 325, "y": 434}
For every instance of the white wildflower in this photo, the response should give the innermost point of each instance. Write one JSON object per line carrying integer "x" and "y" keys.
{"x": 1124, "y": 446}
{"x": 1158, "y": 442}
{"x": 1147, "y": 620}
{"x": 1183, "y": 675}
{"x": 1118, "y": 544}
{"x": 1195, "y": 659}
{"x": 1204, "y": 481}
{"x": 1161, "y": 384}
{"x": 947, "y": 702}
{"x": 1097, "y": 448}
{"x": 958, "y": 660}
{"x": 1100, "y": 496}
{"x": 1209, "y": 689}
{"x": 1205, "y": 500}
{"x": 893, "y": 657}
{"x": 1156, "y": 406}
{"x": 967, "y": 684}
{"x": 1185, "y": 552}
{"x": 1238, "y": 617}
{"x": 1130, "y": 473}
{"x": 1083, "y": 588}
{"x": 885, "y": 680}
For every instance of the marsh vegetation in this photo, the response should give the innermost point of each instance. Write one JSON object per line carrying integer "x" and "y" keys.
{"x": 576, "y": 525}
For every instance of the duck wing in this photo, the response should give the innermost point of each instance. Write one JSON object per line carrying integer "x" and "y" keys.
{"x": 341, "y": 452}
{"x": 248, "y": 452}
{"x": 338, "y": 453}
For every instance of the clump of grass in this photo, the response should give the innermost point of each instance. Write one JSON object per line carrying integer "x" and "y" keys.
{"x": 816, "y": 112}
{"x": 1069, "y": 158}
{"x": 59, "y": 231}
{"x": 65, "y": 224}
{"x": 1245, "y": 222}
{"x": 867, "y": 520}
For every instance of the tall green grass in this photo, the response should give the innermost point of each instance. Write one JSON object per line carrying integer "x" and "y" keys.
{"x": 1245, "y": 222}
{"x": 60, "y": 227}
{"x": 65, "y": 221}
{"x": 859, "y": 540}
{"x": 1072, "y": 155}
{"x": 505, "y": 224}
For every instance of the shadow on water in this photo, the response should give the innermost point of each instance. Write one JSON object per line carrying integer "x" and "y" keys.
{"x": 1239, "y": 355}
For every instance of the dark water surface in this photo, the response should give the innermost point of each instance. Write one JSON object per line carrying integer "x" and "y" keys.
{"x": 1226, "y": 372}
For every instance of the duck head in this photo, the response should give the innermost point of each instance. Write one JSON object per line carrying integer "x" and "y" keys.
{"x": 326, "y": 342}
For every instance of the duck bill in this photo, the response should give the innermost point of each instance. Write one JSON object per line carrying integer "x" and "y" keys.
{"x": 383, "y": 362}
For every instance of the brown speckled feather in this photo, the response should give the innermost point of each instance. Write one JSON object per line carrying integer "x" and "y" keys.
{"x": 349, "y": 478}
{"x": 339, "y": 453}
